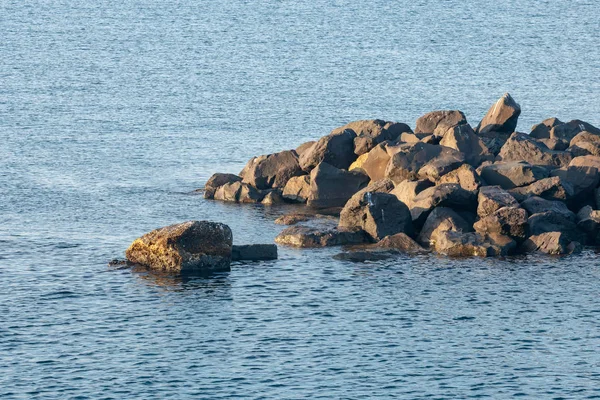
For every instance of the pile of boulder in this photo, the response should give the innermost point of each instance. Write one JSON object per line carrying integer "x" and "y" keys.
{"x": 444, "y": 187}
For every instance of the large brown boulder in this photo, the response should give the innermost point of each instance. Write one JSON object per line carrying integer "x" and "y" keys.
{"x": 555, "y": 243}
{"x": 501, "y": 117}
{"x": 509, "y": 175}
{"x": 508, "y": 221}
{"x": 465, "y": 176}
{"x": 409, "y": 158}
{"x": 438, "y": 122}
{"x": 216, "y": 181}
{"x": 461, "y": 244}
{"x": 378, "y": 214}
{"x": 551, "y": 221}
{"x": 406, "y": 191}
{"x": 369, "y": 133}
{"x": 583, "y": 180}
{"x": 585, "y": 144}
{"x": 463, "y": 139}
{"x": 440, "y": 220}
{"x": 273, "y": 170}
{"x": 554, "y": 188}
{"x": 297, "y": 189}
{"x": 492, "y": 198}
{"x": 333, "y": 187}
{"x": 336, "y": 149}
{"x": 401, "y": 242}
{"x": 375, "y": 162}
{"x": 303, "y": 236}
{"x": 239, "y": 192}
{"x": 535, "y": 205}
{"x": 570, "y": 129}
{"x": 586, "y": 161}
{"x": 521, "y": 147}
{"x": 189, "y": 247}
{"x": 445, "y": 195}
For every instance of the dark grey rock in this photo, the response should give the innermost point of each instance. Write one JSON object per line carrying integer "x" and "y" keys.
{"x": 254, "y": 252}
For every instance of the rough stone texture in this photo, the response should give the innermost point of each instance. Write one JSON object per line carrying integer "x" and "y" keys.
{"x": 463, "y": 139}
{"x": 333, "y": 187}
{"x": 402, "y": 242}
{"x": 303, "y": 147}
{"x": 303, "y": 236}
{"x": 550, "y": 221}
{"x": 375, "y": 162}
{"x": 378, "y": 214}
{"x": 254, "y": 252}
{"x": 520, "y": 147}
{"x": 406, "y": 191}
{"x": 193, "y": 246}
{"x": 588, "y": 221}
{"x": 550, "y": 243}
{"x": 440, "y": 220}
{"x": 336, "y": 149}
{"x": 554, "y": 144}
{"x": 273, "y": 197}
{"x": 508, "y": 221}
{"x": 460, "y": 244}
{"x": 238, "y": 192}
{"x": 553, "y": 188}
{"x": 409, "y": 137}
{"x": 216, "y": 181}
{"x": 570, "y": 129}
{"x": 273, "y": 170}
{"x": 438, "y": 122}
{"x": 583, "y": 180}
{"x": 494, "y": 140}
{"x": 438, "y": 167}
{"x": 501, "y": 117}
{"x": 359, "y": 162}
{"x": 542, "y": 130}
{"x": 445, "y": 195}
{"x": 586, "y": 161}
{"x": 535, "y": 205}
{"x": 509, "y": 175}
{"x": 585, "y": 144}
{"x": 297, "y": 189}
{"x": 465, "y": 176}
{"x": 369, "y": 133}
{"x": 409, "y": 158}
{"x": 492, "y": 198}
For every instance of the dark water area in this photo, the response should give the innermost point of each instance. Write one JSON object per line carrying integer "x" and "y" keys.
{"x": 112, "y": 113}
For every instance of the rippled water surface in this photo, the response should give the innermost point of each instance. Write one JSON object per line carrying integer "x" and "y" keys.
{"x": 111, "y": 113}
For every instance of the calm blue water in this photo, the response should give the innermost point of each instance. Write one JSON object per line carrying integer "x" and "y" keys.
{"x": 112, "y": 112}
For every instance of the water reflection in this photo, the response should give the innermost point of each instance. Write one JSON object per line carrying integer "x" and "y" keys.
{"x": 173, "y": 282}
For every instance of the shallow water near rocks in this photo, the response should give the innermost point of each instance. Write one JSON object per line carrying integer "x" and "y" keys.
{"x": 112, "y": 113}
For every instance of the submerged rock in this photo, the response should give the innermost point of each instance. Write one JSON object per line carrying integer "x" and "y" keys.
{"x": 254, "y": 252}
{"x": 189, "y": 247}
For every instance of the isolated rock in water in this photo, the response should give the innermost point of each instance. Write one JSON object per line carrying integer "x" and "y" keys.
{"x": 494, "y": 140}
{"x": 238, "y": 192}
{"x": 193, "y": 246}
{"x": 409, "y": 158}
{"x": 583, "y": 180}
{"x": 465, "y": 176}
{"x": 438, "y": 122}
{"x": 542, "y": 130}
{"x": 216, "y": 181}
{"x": 440, "y": 220}
{"x": 492, "y": 198}
{"x": 272, "y": 198}
{"x": 333, "y": 187}
{"x": 297, "y": 189}
{"x": 550, "y": 243}
{"x": 508, "y": 221}
{"x": 402, "y": 242}
{"x": 460, "y": 244}
{"x": 509, "y": 175}
{"x": 336, "y": 149}
{"x": 303, "y": 236}
{"x": 569, "y": 130}
{"x": 273, "y": 170}
{"x": 553, "y": 188}
{"x": 445, "y": 195}
{"x": 551, "y": 221}
{"x": 375, "y": 162}
{"x": 586, "y": 161}
{"x": 585, "y": 144}
{"x": 254, "y": 252}
{"x": 588, "y": 221}
{"x": 406, "y": 191}
{"x": 535, "y": 205}
{"x": 378, "y": 214}
{"x": 463, "y": 139}
{"x": 520, "y": 147}
{"x": 303, "y": 147}
{"x": 369, "y": 133}
{"x": 501, "y": 117}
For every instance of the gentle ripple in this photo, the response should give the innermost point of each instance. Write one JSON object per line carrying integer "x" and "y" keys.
{"x": 111, "y": 113}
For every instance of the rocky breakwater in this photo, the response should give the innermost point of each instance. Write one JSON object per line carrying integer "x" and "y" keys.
{"x": 445, "y": 187}
{"x": 194, "y": 247}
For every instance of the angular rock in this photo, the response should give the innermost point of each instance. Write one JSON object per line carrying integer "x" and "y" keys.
{"x": 460, "y": 244}
{"x": 570, "y": 129}
{"x": 440, "y": 220}
{"x": 501, "y": 117}
{"x": 463, "y": 139}
{"x": 409, "y": 137}
{"x": 409, "y": 158}
{"x": 273, "y": 197}
{"x": 465, "y": 176}
{"x": 542, "y": 130}
{"x": 494, "y": 140}
{"x": 217, "y": 180}
{"x": 254, "y": 252}
{"x": 303, "y": 147}
{"x": 438, "y": 122}
{"x": 303, "y": 236}
{"x": 492, "y": 198}
{"x": 273, "y": 170}
{"x": 369, "y": 133}
{"x": 189, "y": 247}
{"x": 588, "y": 221}
{"x": 583, "y": 180}
{"x": 555, "y": 144}
{"x": 406, "y": 191}
{"x": 378, "y": 214}
{"x": 297, "y": 189}
{"x": 333, "y": 187}
{"x": 359, "y": 162}
{"x": 401, "y": 242}
{"x": 445, "y": 195}
{"x": 520, "y": 147}
{"x": 553, "y": 188}
{"x": 509, "y": 175}
{"x": 585, "y": 144}
{"x": 238, "y": 192}
{"x": 507, "y": 221}
{"x": 375, "y": 162}
{"x": 336, "y": 149}
{"x": 586, "y": 161}
{"x": 439, "y": 167}
{"x": 550, "y": 221}
{"x": 555, "y": 243}
{"x": 535, "y": 205}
